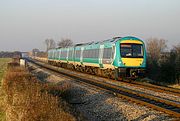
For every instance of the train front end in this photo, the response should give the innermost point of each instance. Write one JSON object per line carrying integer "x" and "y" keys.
{"x": 130, "y": 58}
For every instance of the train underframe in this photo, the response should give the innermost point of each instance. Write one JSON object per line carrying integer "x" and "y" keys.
{"x": 116, "y": 73}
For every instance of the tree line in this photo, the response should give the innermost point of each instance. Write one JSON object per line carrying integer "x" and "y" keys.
{"x": 51, "y": 44}
{"x": 14, "y": 54}
{"x": 163, "y": 65}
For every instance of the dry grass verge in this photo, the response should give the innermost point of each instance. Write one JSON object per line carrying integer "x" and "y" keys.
{"x": 27, "y": 99}
{"x": 177, "y": 86}
{"x": 3, "y": 66}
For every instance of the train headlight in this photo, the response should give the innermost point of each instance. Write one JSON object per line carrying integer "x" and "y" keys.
{"x": 133, "y": 73}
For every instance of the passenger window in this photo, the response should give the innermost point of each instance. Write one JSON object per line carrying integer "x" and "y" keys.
{"x": 78, "y": 53}
{"x": 107, "y": 53}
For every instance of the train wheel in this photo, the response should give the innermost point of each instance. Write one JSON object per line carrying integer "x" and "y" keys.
{"x": 116, "y": 75}
{"x": 112, "y": 74}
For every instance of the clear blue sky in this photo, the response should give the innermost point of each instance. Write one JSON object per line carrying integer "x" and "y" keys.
{"x": 25, "y": 24}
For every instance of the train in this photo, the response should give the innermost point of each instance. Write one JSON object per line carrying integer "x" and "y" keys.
{"x": 117, "y": 58}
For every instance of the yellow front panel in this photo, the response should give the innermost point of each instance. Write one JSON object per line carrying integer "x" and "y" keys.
{"x": 132, "y": 61}
{"x": 132, "y": 41}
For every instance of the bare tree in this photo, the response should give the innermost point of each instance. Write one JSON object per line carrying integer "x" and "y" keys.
{"x": 155, "y": 47}
{"x": 50, "y": 44}
{"x": 65, "y": 43}
{"x": 176, "y": 50}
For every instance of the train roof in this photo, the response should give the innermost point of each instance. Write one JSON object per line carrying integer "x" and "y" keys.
{"x": 99, "y": 42}
{"x": 108, "y": 41}
{"x": 113, "y": 40}
{"x": 131, "y": 38}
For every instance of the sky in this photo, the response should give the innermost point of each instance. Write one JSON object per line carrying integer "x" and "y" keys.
{"x": 25, "y": 24}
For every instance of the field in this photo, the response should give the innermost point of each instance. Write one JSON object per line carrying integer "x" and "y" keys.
{"x": 3, "y": 65}
{"x": 24, "y": 97}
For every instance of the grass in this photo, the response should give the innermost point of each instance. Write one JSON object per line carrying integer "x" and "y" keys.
{"x": 177, "y": 86}
{"x": 28, "y": 99}
{"x": 3, "y": 67}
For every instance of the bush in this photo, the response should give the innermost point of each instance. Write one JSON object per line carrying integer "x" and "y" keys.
{"x": 165, "y": 69}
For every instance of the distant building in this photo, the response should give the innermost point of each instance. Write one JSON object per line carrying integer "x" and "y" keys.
{"x": 35, "y": 51}
{"x": 24, "y": 54}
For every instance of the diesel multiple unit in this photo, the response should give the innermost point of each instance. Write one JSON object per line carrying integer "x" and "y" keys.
{"x": 117, "y": 58}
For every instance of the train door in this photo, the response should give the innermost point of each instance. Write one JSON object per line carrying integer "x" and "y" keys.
{"x": 67, "y": 55}
{"x": 101, "y": 50}
{"x": 56, "y": 55}
{"x": 81, "y": 58}
{"x": 113, "y": 53}
{"x": 59, "y": 54}
{"x": 73, "y": 58}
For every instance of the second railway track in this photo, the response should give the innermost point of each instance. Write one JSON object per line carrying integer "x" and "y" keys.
{"x": 141, "y": 98}
{"x": 156, "y": 88}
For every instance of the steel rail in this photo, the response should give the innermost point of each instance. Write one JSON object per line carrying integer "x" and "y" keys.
{"x": 137, "y": 97}
{"x": 158, "y": 88}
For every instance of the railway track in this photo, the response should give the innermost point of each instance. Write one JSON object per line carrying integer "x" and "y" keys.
{"x": 141, "y": 98}
{"x": 148, "y": 86}
{"x": 157, "y": 88}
